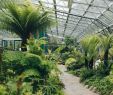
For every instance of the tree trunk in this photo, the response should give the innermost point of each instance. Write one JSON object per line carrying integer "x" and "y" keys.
{"x": 23, "y": 44}
{"x": 106, "y": 57}
{"x": 91, "y": 63}
{"x": 86, "y": 61}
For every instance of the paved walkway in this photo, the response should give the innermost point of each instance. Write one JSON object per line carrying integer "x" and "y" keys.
{"x": 72, "y": 84}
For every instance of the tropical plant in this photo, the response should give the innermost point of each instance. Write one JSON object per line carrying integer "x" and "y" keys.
{"x": 69, "y": 41}
{"x": 24, "y": 19}
{"x": 106, "y": 44}
{"x": 93, "y": 50}
{"x": 3, "y": 90}
{"x": 35, "y": 45}
{"x": 69, "y": 61}
{"x": 90, "y": 47}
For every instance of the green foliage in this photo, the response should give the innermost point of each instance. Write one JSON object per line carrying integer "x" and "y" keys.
{"x": 65, "y": 56}
{"x": 3, "y": 90}
{"x": 79, "y": 60}
{"x": 106, "y": 41}
{"x": 58, "y": 50}
{"x": 85, "y": 74}
{"x": 104, "y": 86}
{"x": 12, "y": 63}
{"x": 30, "y": 74}
{"x": 90, "y": 46}
{"x": 23, "y": 19}
{"x": 71, "y": 42}
{"x": 12, "y": 56}
{"x": 70, "y": 61}
{"x": 75, "y": 66}
{"x": 34, "y": 45}
{"x": 31, "y": 60}
{"x": 106, "y": 44}
{"x": 102, "y": 71}
{"x": 53, "y": 86}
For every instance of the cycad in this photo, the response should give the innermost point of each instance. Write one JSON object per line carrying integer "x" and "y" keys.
{"x": 90, "y": 45}
{"x": 93, "y": 49}
{"x": 23, "y": 19}
{"x": 85, "y": 45}
{"x": 106, "y": 44}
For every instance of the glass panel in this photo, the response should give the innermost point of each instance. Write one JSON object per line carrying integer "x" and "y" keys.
{"x": 99, "y": 3}
{"x": 79, "y": 6}
{"x": 91, "y": 15}
{"x": 77, "y": 12}
{"x": 105, "y": 20}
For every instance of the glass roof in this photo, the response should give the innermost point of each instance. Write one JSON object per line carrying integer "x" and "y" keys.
{"x": 77, "y": 18}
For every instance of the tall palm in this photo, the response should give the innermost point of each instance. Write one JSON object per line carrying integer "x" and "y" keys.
{"x": 106, "y": 44}
{"x": 23, "y": 19}
{"x": 90, "y": 47}
{"x": 84, "y": 45}
{"x": 93, "y": 49}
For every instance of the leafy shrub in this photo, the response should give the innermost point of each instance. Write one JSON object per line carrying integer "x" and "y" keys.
{"x": 102, "y": 70}
{"x": 79, "y": 60}
{"x": 75, "y": 72}
{"x": 12, "y": 56}
{"x": 65, "y": 56}
{"x": 31, "y": 60}
{"x": 103, "y": 85}
{"x": 85, "y": 74}
{"x": 75, "y": 65}
{"x": 69, "y": 61}
{"x": 35, "y": 62}
{"x": 11, "y": 63}
{"x": 3, "y": 90}
{"x": 53, "y": 85}
{"x": 35, "y": 50}
{"x": 45, "y": 69}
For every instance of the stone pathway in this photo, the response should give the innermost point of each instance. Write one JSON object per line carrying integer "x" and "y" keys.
{"x": 72, "y": 84}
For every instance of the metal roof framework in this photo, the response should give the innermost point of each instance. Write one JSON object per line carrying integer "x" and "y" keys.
{"x": 77, "y": 18}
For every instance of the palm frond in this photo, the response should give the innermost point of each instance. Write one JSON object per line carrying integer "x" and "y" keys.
{"x": 23, "y": 19}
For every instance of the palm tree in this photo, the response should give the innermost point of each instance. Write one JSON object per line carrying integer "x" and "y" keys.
{"x": 84, "y": 45}
{"x": 23, "y": 19}
{"x": 93, "y": 50}
{"x": 90, "y": 47}
{"x": 106, "y": 44}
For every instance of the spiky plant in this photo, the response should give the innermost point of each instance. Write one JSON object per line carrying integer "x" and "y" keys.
{"x": 85, "y": 45}
{"x": 23, "y": 19}
{"x": 93, "y": 49}
{"x": 90, "y": 46}
{"x": 106, "y": 44}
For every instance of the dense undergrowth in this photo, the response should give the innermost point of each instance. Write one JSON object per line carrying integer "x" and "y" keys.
{"x": 29, "y": 73}
{"x": 80, "y": 59}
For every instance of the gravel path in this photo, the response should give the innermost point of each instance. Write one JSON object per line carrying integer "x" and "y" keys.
{"x": 72, "y": 84}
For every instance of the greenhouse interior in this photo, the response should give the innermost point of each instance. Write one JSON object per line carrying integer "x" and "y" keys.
{"x": 56, "y": 47}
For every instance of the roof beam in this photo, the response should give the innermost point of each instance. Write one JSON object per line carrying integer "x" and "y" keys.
{"x": 69, "y": 5}
{"x": 82, "y": 17}
{"x": 74, "y": 15}
{"x": 102, "y": 23}
{"x": 89, "y": 4}
{"x": 54, "y": 1}
{"x": 44, "y": 10}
